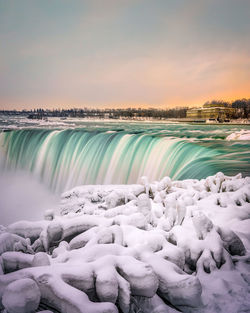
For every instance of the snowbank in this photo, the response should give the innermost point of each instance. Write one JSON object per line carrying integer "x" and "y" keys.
{"x": 152, "y": 248}
{"x": 241, "y": 135}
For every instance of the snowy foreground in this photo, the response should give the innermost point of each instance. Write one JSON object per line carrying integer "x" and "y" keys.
{"x": 151, "y": 248}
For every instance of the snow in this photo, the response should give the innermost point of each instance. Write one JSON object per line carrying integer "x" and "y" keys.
{"x": 153, "y": 247}
{"x": 240, "y": 135}
{"x": 21, "y": 296}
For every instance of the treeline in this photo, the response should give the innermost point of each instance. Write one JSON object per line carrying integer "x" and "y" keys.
{"x": 128, "y": 113}
{"x": 147, "y": 113}
{"x": 241, "y": 106}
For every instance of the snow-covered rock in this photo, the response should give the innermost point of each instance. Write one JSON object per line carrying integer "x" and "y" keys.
{"x": 137, "y": 248}
{"x": 21, "y": 296}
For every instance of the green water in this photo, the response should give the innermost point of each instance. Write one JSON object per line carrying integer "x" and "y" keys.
{"x": 105, "y": 153}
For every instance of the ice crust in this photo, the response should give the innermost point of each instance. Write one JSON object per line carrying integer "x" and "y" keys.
{"x": 153, "y": 247}
{"x": 21, "y": 296}
{"x": 240, "y": 135}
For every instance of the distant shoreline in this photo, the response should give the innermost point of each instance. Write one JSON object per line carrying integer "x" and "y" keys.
{"x": 46, "y": 119}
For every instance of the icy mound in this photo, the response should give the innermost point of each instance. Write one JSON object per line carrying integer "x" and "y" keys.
{"x": 152, "y": 248}
{"x": 241, "y": 135}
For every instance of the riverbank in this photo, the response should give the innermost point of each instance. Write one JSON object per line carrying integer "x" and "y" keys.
{"x": 12, "y": 122}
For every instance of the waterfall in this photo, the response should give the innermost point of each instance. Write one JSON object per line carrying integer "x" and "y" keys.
{"x": 66, "y": 158}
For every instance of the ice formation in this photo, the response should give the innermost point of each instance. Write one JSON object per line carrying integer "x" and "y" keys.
{"x": 157, "y": 247}
{"x": 240, "y": 135}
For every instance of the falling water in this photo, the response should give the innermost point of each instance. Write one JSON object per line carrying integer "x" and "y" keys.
{"x": 66, "y": 158}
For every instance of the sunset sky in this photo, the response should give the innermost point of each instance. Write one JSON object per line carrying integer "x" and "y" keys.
{"x": 120, "y": 53}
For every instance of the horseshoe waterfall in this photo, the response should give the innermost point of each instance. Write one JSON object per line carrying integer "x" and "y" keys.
{"x": 66, "y": 158}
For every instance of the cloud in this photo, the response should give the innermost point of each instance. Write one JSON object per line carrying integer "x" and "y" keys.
{"x": 114, "y": 52}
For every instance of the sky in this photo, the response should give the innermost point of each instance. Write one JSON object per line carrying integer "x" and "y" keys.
{"x": 123, "y": 53}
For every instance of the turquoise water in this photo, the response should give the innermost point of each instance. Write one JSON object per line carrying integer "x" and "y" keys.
{"x": 63, "y": 154}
